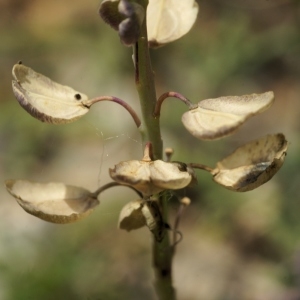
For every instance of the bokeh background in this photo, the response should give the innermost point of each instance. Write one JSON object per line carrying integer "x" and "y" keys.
{"x": 236, "y": 246}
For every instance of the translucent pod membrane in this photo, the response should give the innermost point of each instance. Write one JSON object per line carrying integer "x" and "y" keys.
{"x": 216, "y": 118}
{"x": 253, "y": 164}
{"x": 45, "y": 99}
{"x": 53, "y": 202}
{"x": 152, "y": 177}
{"x": 139, "y": 213}
{"x": 169, "y": 20}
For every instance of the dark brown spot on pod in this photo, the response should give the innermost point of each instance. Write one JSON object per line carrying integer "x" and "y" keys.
{"x": 182, "y": 167}
{"x": 77, "y": 96}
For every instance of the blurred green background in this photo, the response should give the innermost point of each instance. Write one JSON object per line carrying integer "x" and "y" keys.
{"x": 236, "y": 246}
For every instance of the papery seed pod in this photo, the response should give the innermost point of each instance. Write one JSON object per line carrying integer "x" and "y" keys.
{"x": 131, "y": 216}
{"x": 169, "y": 20}
{"x": 253, "y": 164}
{"x": 171, "y": 175}
{"x": 136, "y": 174}
{"x": 45, "y": 99}
{"x": 215, "y": 118}
{"x": 152, "y": 177}
{"x": 53, "y": 202}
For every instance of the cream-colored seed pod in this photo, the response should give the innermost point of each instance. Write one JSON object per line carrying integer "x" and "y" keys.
{"x": 152, "y": 177}
{"x": 253, "y": 164}
{"x": 215, "y": 118}
{"x": 45, "y": 99}
{"x": 169, "y": 20}
{"x": 172, "y": 176}
{"x": 53, "y": 202}
{"x": 131, "y": 216}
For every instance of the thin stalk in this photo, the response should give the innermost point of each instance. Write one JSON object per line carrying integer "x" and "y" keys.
{"x": 114, "y": 184}
{"x": 162, "y": 251}
{"x": 166, "y": 95}
{"x": 133, "y": 114}
{"x": 184, "y": 202}
{"x": 201, "y": 167}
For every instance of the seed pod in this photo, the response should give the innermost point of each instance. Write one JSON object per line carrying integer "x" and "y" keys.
{"x": 152, "y": 177}
{"x": 131, "y": 216}
{"x": 45, "y": 99}
{"x": 53, "y": 202}
{"x": 136, "y": 174}
{"x": 253, "y": 164}
{"x": 169, "y": 20}
{"x": 215, "y": 118}
{"x": 171, "y": 175}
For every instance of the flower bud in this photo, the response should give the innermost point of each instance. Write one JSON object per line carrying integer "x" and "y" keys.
{"x": 124, "y": 16}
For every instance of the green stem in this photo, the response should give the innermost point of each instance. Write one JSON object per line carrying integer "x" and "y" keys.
{"x": 162, "y": 256}
{"x": 146, "y": 89}
{"x": 144, "y": 78}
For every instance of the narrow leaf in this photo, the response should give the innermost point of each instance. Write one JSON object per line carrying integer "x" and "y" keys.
{"x": 52, "y": 202}
{"x": 215, "y": 118}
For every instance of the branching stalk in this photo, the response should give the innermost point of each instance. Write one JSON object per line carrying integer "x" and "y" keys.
{"x": 150, "y": 130}
{"x": 114, "y": 184}
{"x": 201, "y": 167}
{"x": 184, "y": 202}
{"x": 166, "y": 95}
{"x": 119, "y": 101}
